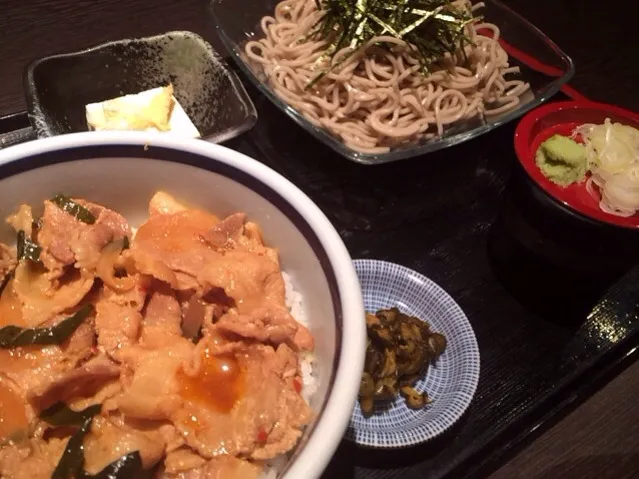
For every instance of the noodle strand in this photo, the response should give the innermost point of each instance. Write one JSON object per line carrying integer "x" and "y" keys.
{"x": 376, "y": 98}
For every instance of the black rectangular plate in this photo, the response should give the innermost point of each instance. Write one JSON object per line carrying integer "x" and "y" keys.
{"x": 457, "y": 216}
{"x": 58, "y": 87}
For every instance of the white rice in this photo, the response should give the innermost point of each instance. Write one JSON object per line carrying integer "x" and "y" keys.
{"x": 307, "y": 359}
{"x": 307, "y": 368}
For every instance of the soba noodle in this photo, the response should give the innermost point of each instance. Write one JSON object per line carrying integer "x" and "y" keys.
{"x": 378, "y": 99}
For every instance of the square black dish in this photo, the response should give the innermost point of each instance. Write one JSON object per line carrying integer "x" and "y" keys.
{"x": 58, "y": 87}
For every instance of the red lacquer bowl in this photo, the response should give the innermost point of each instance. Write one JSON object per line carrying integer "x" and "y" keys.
{"x": 562, "y": 117}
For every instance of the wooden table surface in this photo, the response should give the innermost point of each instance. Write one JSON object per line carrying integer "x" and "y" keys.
{"x": 600, "y": 439}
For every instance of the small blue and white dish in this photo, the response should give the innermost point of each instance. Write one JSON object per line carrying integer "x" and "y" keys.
{"x": 450, "y": 382}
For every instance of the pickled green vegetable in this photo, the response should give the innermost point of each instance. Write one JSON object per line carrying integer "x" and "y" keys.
{"x": 79, "y": 212}
{"x": 27, "y": 249}
{"x": 14, "y": 336}
{"x": 399, "y": 349}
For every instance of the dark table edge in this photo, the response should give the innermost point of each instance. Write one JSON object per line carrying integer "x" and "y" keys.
{"x": 14, "y": 121}
{"x": 565, "y": 400}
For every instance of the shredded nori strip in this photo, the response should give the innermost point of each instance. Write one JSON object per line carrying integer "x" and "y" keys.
{"x": 14, "y": 336}
{"x": 27, "y": 249}
{"x": 71, "y": 464}
{"x": 432, "y": 27}
{"x": 79, "y": 212}
{"x": 62, "y": 415}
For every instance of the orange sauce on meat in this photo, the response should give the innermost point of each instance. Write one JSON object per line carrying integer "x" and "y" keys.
{"x": 177, "y": 232}
{"x": 16, "y": 359}
{"x": 218, "y": 384}
{"x": 13, "y": 415}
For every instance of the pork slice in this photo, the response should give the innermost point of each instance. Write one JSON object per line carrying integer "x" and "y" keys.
{"x": 109, "y": 226}
{"x": 227, "y": 232}
{"x": 118, "y": 317}
{"x": 268, "y": 418}
{"x": 152, "y": 428}
{"x": 35, "y": 462}
{"x": 33, "y": 367}
{"x": 249, "y": 279}
{"x": 271, "y": 324}
{"x": 42, "y": 298}
{"x": 163, "y": 203}
{"x": 236, "y": 233}
{"x": 222, "y": 467}
{"x": 11, "y": 456}
{"x": 175, "y": 242}
{"x": 107, "y": 391}
{"x": 7, "y": 261}
{"x": 283, "y": 432}
{"x": 57, "y": 229}
{"x": 162, "y": 318}
{"x": 79, "y": 347}
{"x": 68, "y": 240}
{"x": 194, "y": 313}
{"x": 253, "y": 241}
{"x": 186, "y": 281}
{"x": 10, "y": 306}
{"x": 151, "y": 265}
{"x": 80, "y": 382}
{"x": 182, "y": 459}
{"x": 22, "y": 220}
{"x": 150, "y": 390}
{"x": 108, "y": 442}
{"x": 199, "y": 313}
{"x": 17, "y": 417}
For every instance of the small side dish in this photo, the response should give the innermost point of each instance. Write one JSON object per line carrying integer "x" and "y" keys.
{"x": 209, "y": 93}
{"x": 606, "y": 156}
{"x": 398, "y": 352}
{"x": 451, "y": 380}
{"x": 170, "y": 351}
{"x": 152, "y": 110}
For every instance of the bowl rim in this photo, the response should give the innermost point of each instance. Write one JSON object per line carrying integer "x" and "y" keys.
{"x": 463, "y": 401}
{"x": 522, "y": 143}
{"x": 33, "y": 97}
{"x": 415, "y": 151}
{"x": 313, "y": 455}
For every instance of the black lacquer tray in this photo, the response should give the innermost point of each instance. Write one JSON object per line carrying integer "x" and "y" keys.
{"x": 555, "y": 312}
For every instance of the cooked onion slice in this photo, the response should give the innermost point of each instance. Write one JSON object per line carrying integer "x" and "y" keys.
{"x": 106, "y": 268}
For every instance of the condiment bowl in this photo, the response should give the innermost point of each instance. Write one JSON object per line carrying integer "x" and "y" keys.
{"x": 123, "y": 169}
{"x": 562, "y": 118}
